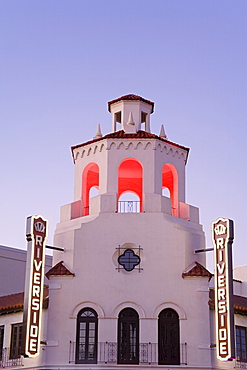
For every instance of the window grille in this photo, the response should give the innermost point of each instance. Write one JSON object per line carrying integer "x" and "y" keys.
{"x": 16, "y": 336}
{"x": 129, "y": 258}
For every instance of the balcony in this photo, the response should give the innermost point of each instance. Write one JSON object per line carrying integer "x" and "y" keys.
{"x": 6, "y": 361}
{"x": 129, "y": 206}
{"x": 148, "y": 353}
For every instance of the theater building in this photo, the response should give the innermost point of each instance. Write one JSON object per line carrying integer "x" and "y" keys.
{"x": 128, "y": 291}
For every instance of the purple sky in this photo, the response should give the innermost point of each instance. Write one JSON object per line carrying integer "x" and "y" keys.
{"x": 62, "y": 61}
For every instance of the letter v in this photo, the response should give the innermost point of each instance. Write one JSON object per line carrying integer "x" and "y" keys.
{"x": 221, "y": 268}
{"x": 37, "y": 265}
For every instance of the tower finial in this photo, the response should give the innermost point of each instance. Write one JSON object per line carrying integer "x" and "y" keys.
{"x": 162, "y": 132}
{"x": 98, "y": 134}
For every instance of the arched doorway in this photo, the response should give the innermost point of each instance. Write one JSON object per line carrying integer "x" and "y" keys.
{"x": 86, "y": 337}
{"x": 128, "y": 337}
{"x": 168, "y": 337}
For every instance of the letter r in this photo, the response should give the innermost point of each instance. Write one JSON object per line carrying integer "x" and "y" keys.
{"x": 39, "y": 240}
{"x": 220, "y": 243}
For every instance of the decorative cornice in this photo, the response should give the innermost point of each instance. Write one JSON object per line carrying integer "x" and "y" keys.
{"x": 119, "y": 140}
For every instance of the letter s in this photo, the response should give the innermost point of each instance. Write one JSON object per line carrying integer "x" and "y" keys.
{"x": 222, "y": 307}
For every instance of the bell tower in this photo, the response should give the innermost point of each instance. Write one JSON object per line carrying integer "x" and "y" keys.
{"x": 131, "y": 160}
{"x": 129, "y": 263}
{"x": 131, "y": 111}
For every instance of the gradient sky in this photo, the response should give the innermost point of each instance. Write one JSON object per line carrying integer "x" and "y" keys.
{"x": 61, "y": 61}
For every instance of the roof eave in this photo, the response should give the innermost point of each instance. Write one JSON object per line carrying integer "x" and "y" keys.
{"x": 108, "y": 136}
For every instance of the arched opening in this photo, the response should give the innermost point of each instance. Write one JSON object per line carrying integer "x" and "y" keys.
{"x": 86, "y": 337}
{"x": 90, "y": 180}
{"x": 128, "y": 337}
{"x": 170, "y": 181}
{"x": 168, "y": 337}
{"x": 130, "y": 179}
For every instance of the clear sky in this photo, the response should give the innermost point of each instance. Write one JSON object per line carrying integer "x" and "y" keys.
{"x": 61, "y": 61}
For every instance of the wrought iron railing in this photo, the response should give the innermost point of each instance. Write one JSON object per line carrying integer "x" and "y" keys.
{"x": 240, "y": 364}
{"x": 183, "y": 353}
{"x": 129, "y": 206}
{"x": 107, "y": 352}
{"x": 71, "y": 352}
{"x": 148, "y": 353}
{"x": 6, "y": 361}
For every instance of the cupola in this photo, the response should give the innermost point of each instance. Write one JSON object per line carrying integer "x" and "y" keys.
{"x": 131, "y": 112}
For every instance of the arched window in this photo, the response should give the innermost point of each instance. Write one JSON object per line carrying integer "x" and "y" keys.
{"x": 86, "y": 337}
{"x": 168, "y": 337}
{"x": 130, "y": 179}
{"x": 128, "y": 337}
{"x": 170, "y": 181}
{"x": 90, "y": 179}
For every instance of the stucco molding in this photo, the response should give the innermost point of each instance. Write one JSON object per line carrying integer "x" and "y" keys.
{"x": 129, "y": 304}
{"x": 88, "y": 304}
{"x": 174, "y": 306}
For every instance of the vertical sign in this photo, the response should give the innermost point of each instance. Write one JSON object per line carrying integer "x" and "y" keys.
{"x": 37, "y": 228}
{"x": 222, "y": 235}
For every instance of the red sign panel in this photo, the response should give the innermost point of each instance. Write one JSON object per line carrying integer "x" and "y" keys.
{"x": 36, "y": 236}
{"x": 222, "y": 235}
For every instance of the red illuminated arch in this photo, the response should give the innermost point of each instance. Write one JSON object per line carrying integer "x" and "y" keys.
{"x": 170, "y": 181}
{"x": 130, "y": 178}
{"x": 90, "y": 178}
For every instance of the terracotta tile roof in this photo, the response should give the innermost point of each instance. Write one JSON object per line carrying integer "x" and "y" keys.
{"x": 240, "y": 303}
{"x": 59, "y": 270}
{"x": 122, "y": 135}
{"x": 196, "y": 269}
{"x": 14, "y": 302}
{"x": 131, "y": 97}
{"x": 139, "y": 135}
{"x": 11, "y": 303}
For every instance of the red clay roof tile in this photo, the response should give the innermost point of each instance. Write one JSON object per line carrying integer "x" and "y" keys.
{"x": 131, "y": 97}
{"x": 59, "y": 270}
{"x": 11, "y": 302}
{"x": 196, "y": 269}
{"x": 15, "y": 302}
{"x": 240, "y": 303}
